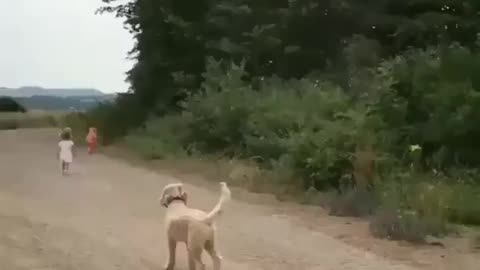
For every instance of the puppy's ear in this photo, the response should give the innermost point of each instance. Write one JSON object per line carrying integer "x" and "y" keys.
{"x": 165, "y": 199}
{"x": 185, "y": 196}
{"x": 182, "y": 193}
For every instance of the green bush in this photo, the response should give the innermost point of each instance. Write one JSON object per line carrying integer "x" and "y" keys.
{"x": 78, "y": 122}
{"x": 160, "y": 138}
{"x": 313, "y": 122}
{"x": 431, "y": 97}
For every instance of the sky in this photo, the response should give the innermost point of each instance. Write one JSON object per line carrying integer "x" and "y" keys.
{"x": 62, "y": 44}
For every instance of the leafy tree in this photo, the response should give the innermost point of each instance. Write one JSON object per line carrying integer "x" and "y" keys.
{"x": 287, "y": 38}
{"x": 10, "y": 105}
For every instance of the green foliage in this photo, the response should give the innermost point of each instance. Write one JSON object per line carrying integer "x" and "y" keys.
{"x": 464, "y": 207}
{"x": 160, "y": 138}
{"x": 220, "y": 112}
{"x": 309, "y": 121}
{"x": 433, "y": 101}
{"x": 114, "y": 120}
{"x": 10, "y": 105}
{"x": 286, "y": 38}
{"x": 319, "y": 81}
{"x": 310, "y": 130}
{"x": 78, "y": 122}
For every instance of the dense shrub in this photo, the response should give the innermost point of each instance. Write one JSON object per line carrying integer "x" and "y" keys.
{"x": 433, "y": 101}
{"x": 171, "y": 129}
{"x": 78, "y": 122}
{"x": 112, "y": 120}
{"x": 313, "y": 124}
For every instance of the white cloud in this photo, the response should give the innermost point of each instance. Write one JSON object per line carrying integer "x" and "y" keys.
{"x": 62, "y": 43}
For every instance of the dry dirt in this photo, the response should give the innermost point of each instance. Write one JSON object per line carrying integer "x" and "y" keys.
{"x": 105, "y": 216}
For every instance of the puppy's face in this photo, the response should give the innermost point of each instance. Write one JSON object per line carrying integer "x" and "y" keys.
{"x": 173, "y": 192}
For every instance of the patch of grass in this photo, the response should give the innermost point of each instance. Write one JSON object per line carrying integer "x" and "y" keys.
{"x": 398, "y": 224}
{"x": 29, "y": 120}
{"x": 412, "y": 207}
{"x": 160, "y": 139}
{"x": 150, "y": 148}
{"x": 464, "y": 206}
{"x": 6, "y": 124}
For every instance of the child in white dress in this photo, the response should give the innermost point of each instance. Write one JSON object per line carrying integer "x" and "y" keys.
{"x": 65, "y": 153}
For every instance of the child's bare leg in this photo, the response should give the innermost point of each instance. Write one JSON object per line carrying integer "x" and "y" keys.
{"x": 63, "y": 167}
{"x": 67, "y": 167}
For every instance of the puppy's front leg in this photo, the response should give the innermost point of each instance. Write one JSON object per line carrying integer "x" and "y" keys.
{"x": 172, "y": 248}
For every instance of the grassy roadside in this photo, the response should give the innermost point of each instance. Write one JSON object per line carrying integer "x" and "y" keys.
{"x": 249, "y": 177}
{"x": 33, "y": 119}
{"x": 353, "y": 231}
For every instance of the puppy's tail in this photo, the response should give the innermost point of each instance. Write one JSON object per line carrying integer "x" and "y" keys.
{"x": 217, "y": 210}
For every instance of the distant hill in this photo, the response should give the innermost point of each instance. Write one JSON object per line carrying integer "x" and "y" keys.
{"x": 72, "y": 103}
{"x": 31, "y": 91}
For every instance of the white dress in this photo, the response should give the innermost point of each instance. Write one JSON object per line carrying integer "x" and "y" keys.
{"x": 66, "y": 151}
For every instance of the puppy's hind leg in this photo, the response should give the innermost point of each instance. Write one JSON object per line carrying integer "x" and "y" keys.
{"x": 195, "y": 259}
{"x": 216, "y": 258}
{"x": 172, "y": 248}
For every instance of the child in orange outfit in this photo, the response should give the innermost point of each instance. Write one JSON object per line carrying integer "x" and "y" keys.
{"x": 92, "y": 140}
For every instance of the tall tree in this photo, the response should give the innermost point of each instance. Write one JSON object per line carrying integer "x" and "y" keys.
{"x": 289, "y": 38}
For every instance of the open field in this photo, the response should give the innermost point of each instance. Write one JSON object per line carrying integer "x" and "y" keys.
{"x": 31, "y": 119}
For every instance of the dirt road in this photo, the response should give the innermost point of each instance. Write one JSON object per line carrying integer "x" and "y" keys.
{"x": 105, "y": 216}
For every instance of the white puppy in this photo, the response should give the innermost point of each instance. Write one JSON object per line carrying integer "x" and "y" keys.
{"x": 191, "y": 226}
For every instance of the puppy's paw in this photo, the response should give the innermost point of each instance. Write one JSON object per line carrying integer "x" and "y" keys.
{"x": 169, "y": 267}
